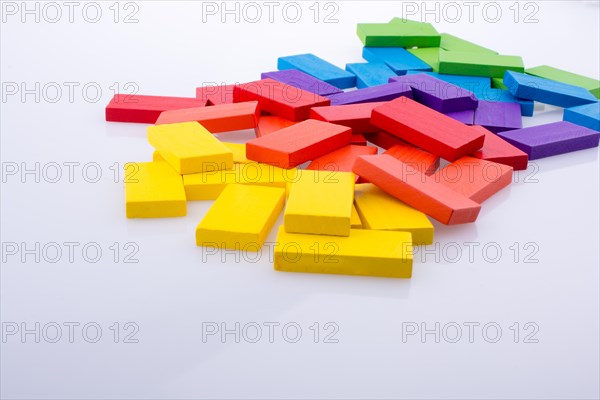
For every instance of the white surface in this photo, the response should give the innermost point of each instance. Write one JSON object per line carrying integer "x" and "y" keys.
{"x": 171, "y": 291}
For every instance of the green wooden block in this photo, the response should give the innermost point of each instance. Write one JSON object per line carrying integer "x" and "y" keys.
{"x": 453, "y": 43}
{"x": 429, "y": 55}
{"x": 498, "y": 83}
{"x": 559, "y": 75}
{"x": 398, "y": 33}
{"x": 478, "y": 64}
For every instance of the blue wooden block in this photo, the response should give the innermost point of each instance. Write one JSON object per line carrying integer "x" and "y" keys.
{"x": 471, "y": 83}
{"x": 370, "y": 74}
{"x": 398, "y": 59}
{"x": 319, "y": 68}
{"x": 587, "y": 115}
{"x": 546, "y": 91}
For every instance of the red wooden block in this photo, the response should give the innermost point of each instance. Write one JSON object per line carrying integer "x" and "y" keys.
{"x": 215, "y": 94}
{"x": 268, "y": 124}
{"x": 355, "y": 116}
{"x": 298, "y": 143}
{"x": 416, "y": 189}
{"x": 474, "y": 178}
{"x": 145, "y": 109}
{"x": 341, "y": 159}
{"x": 383, "y": 139}
{"x": 278, "y": 98}
{"x": 421, "y": 160}
{"x": 219, "y": 118}
{"x": 358, "y": 139}
{"x": 427, "y": 128}
{"x": 500, "y": 151}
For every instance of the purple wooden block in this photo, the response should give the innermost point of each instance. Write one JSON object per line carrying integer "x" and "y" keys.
{"x": 498, "y": 116}
{"x": 301, "y": 80}
{"x": 386, "y": 92}
{"x": 437, "y": 94}
{"x": 464, "y": 116}
{"x": 551, "y": 139}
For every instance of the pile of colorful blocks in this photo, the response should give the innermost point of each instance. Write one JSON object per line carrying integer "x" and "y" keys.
{"x": 350, "y": 207}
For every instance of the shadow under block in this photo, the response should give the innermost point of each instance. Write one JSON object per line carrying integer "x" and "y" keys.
{"x": 421, "y": 160}
{"x": 304, "y": 141}
{"x": 426, "y": 128}
{"x": 218, "y": 118}
{"x": 500, "y": 151}
{"x": 477, "y": 64}
{"x": 213, "y": 95}
{"x": 278, "y": 98}
{"x": 498, "y": 116}
{"x": 145, "y": 109}
{"x": 320, "y": 203}
{"x": 341, "y": 159}
{"x": 370, "y": 74}
{"x": 398, "y": 59}
{"x": 153, "y": 190}
{"x": 358, "y": 139}
{"x": 241, "y": 217}
{"x": 474, "y": 178}
{"x": 386, "y": 92}
{"x": 559, "y": 75}
{"x": 189, "y": 148}
{"x": 268, "y": 124}
{"x": 551, "y": 139}
{"x": 209, "y": 185}
{"x": 546, "y": 91}
{"x": 301, "y": 80}
{"x": 498, "y": 83}
{"x": 355, "y": 221}
{"x": 318, "y": 68}
{"x": 587, "y": 115}
{"x": 417, "y": 190}
{"x": 380, "y": 211}
{"x": 355, "y": 116}
{"x": 398, "y": 33}
{"x": 453, "y": 43}
{"x": 364, "y": 252}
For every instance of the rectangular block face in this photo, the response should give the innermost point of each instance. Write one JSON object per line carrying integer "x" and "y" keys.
{"x": 189, "y": 148}
{"x": 429, "y": 55}
{"x": 426, "y": 128}
{"x": 379, "y": 93}
{"x": 299, "y": 143}
{"x": 145, "y": 109}
{"x": 417, "y": 190}
{"x": 153, "y": 190}
{"x": 241, "y": 217}
{"x": 504, "y": 96}
{"x": 301, "y": 80}
{"x": 478, "y": 64}
{"x": 355, "y": 116}
{"x": 555, "y": 74}
{"x": 498, "y": 116}
{"x": 587, "y": 115}
{"x": 398, "y": 59}
{"x": 421, "y": 160}
{"x": 466, "y": 116}
{"x": 278, "y": 98}
{"x": 471, "y": 83}
{"x": 380, "y": 211}
{"x": 551, "y": 139}
{"x": 268, "y": 124}
{"x": 213, "y": 95}
{"x": 218, "y": 118}
{"x": 398, "y": 33}
{"x": 320, "y": 203}
{"x": 454, "y": 43}
{"x": 318, "y": 68}
{"x": 239, "y": 152}
{"x": 500, "y": 151}
{"x": 364, "y": 252}
{"x": 370, "y": 74}
{"x": 546, "y": 91}
{"x": 341, "y": 159}
{"x": 474, "y": 178}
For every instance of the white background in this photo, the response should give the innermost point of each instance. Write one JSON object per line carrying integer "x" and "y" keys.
{"x": 176, "y": 287}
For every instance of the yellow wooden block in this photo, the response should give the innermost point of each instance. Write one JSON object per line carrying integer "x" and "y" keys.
{"x": 153, "y": 190}
{"x": 241, "y": 218}
{"x": 320, "y": 202}
{"x": 355, "y": 222}
{"x": 364, "y": 252}
{"x": 380, "y": 211}
{"x": 190, "y": 148}
{"x": 209, "y": 185}
{"x": 239, "y": 152}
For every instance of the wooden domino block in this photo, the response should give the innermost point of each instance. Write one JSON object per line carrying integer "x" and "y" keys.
{"x": 417, "y": 190}
{"x": 212, "y": 95}
{"x": 559, "y": 75}
{"x": 551, "y": 139}
{"x": 500, "y": 151}
{"x": 364, "y": 252}
{"x": 370, "y": 74}
{"x": 421, "y": 160}
{"x": 498, "y": 116}
{"x": 189, "y": 148}
{"x": 355, "y": 221}
{"x": 318, "y": 68}
{"x": 398, "y": 59}
{"x": 398, "y": 33}
{"x": 453, "y": 43}
{"x": 341, "y": 159}
{"x": 268, "y": 124}
{"x": 320, "y": 202}
{"x": 474, "y": 178}
{"x": 587, "y": 115}
{"x": 504, "y": 96}
{"x": 241, "y": 217}
{"x": 358, "y": 139}
{"x": 298, "y": 143}
{"x": 465, "y": 116}
{"x": 386, "y": 92}
{"x": 301, "y": 80}
{"x": 153, "y": 190}
{"x": 218, "y": 118}
{"x": 380, "y": 211}
{"x": 429, "y": 55}
{"x": 145, "y": 109}
{"x": 280, "y": 99}
{"x": 478, "y": 64}
{"x": 426, "y": 128}
{"x": 355, "y": 116}
{"x": 239, "y": 152}
{"x": 471, "y": 83}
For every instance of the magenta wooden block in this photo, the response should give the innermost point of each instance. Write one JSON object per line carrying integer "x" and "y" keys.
{"x": 552, "y": 139}
{"x": 498, "y": 116}
{"x": 464, "y": 116}
{"x": 435, "y": 93}
{"x": 389, "y": 91}
{"x": 301, "y": 80}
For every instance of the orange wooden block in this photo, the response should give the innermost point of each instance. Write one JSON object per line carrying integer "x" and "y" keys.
{"x": 298, "y": 143}
{"x": 355, "y": 116}
{"x": 341, "y": 159}
{"x": 421, "y": 160}
{"x": 219, "y": 118}
{"x": 474, "y": 178}
{"x": 215, "y": 94}
{"x": 416, "y": 189}
{"x": 268, "y": 124}
{"x": 500, "y": 151}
